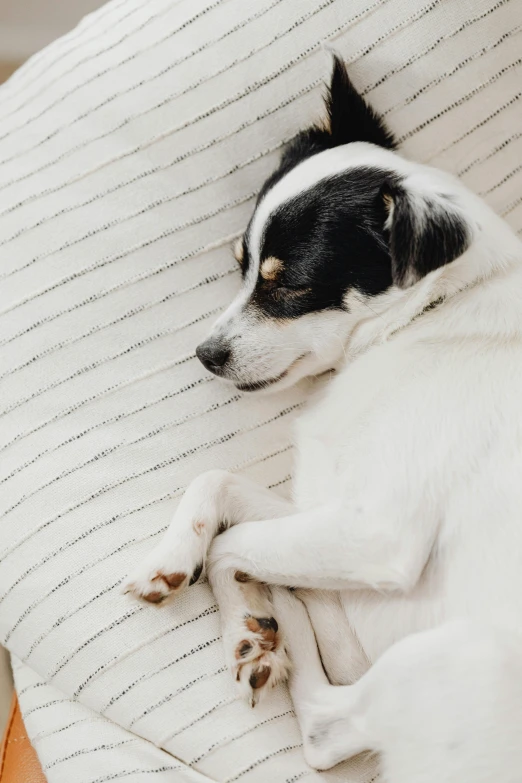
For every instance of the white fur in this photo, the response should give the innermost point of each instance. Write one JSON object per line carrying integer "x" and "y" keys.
{"x": 407, "y": 501}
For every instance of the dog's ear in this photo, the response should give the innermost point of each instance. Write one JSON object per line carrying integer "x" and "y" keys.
{"x": 424, "y": 233}
{"x": 349, "y": 116}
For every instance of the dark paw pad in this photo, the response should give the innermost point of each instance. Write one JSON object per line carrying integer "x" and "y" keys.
{"x": 268, "y": 623}
{"x": 172, "y": 580}
{"x": 266, "y": 627}
{"x": 243, "y": 649}
{"x": 154, "y": 598}
{"x": 259, "y": 677}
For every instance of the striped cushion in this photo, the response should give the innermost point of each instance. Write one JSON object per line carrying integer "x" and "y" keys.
{"x": 130, "y": 152}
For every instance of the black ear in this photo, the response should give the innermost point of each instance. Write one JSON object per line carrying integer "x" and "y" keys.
{"x": 423, "y": 233}
{"x": 349, "y": 117}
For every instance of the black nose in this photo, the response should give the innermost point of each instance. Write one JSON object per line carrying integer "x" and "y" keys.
{"x": 213, "y": 353}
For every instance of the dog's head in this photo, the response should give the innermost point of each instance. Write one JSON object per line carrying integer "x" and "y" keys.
{"x": 338, "y": 228}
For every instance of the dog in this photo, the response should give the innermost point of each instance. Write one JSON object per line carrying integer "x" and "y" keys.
{"x": 404, "y": 533}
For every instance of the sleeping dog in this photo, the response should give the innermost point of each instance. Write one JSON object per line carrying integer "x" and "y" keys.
{"x": 404, "y": 534}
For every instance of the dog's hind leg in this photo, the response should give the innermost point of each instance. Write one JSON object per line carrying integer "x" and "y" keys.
{"x": 341, "y": 654}
{"x": 318, "y": 705}
{"x": 441, "y": 706}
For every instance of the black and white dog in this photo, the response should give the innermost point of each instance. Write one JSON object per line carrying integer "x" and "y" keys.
{"x": 405, "y": 528}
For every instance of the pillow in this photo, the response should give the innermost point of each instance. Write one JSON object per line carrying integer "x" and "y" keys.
{"x": 130, "y": 153}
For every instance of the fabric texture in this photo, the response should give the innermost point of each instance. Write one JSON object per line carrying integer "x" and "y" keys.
{"x": 130, "y": 154}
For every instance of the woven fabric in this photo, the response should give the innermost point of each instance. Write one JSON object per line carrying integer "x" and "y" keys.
{"x": 130, "y": 153}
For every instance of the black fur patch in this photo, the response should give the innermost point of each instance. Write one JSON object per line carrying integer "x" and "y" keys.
{"x": 330, "y": 240}
{"x": 349, "y": 119}
{"x": 423, "y": 236}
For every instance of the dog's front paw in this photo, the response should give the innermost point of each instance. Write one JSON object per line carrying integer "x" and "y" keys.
{"x": 257, "y": 656}
{"x": 162, "y": 576}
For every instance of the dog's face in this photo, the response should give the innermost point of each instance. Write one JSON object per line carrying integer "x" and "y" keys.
{"x": 337, "y": 229}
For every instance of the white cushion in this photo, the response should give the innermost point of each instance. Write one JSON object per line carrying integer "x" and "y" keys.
{"x": 130, "y": 152}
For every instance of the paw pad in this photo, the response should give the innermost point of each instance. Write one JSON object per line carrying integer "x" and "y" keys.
{"x": 171, "y": 580}
{"x": 243, "y": 649}
{"x": 266, "y": 627}
{"x": 259, "y": 677}
{"x": 154, "y": 597}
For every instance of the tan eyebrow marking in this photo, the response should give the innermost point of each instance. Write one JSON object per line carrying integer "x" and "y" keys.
{"x": 271, "y": 267}
{"x": 239, "y": 250}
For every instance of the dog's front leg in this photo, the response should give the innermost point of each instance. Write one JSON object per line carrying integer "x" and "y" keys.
{"x": 212, "y": 502}
{"x": 332, "y": 548}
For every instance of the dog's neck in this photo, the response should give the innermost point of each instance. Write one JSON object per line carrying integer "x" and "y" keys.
{"x": 494, "y": 250}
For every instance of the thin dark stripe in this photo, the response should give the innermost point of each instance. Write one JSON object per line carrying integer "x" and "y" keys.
{"x": 109, "y": 358}
{"x": 494, "y": 151}
{"x": 137, "y": 310}
{"x": 165, "y": 699}
{"x": 164, "y": 101}
{"x": 130, "y": 542}
{"x": 112, "y": 419}
{"x": 460, "y": 101}
{"x": 121, "y": 284}
{"x": 85, "y": 567}
{"x": 166, "y": 232}
{"x": 256, "y": 85}
{"x": 85, "y": 751}
{"x": 512, "y": 206}
{"x": 228, "y": 740}
{"x": 305, "y": 774}
{"x": 483, "y": 121}
{"x": 125, "y": 443}
{"x": 89, "y": 58}
{"x": 446, "y": 37}
{"x": 303, "y": 91}
{"x": 137, "y": 771}
{"x": 144, "y": 82}
{"x": 502, "y": 181}
{"x": 282, "y": 481}
{"x": 222, "y": 703}
{"x": 210, "y": 610}
{"x": 21, "y": 691}
{"x": 191, "y": 189}
{"x": 45, "y": 735}
{"x": 64, "y": 617}
{"x": 137, "y": 213}
{"x": 62, "y": 663}
{"x": 286, "y": 749}
{"x": 37, "y": 61}
{"x": 149, "y": 675}
{"x": 42, "y": 707}
{"x": 108, "y": 487}
{"x": 448, "y": 74}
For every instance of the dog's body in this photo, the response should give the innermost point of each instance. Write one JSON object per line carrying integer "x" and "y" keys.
{"x": 407, "y": 504}
{"x": 425, "y": 467}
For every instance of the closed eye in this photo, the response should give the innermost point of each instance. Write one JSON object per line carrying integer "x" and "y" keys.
{"x": 285, "y": 292}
